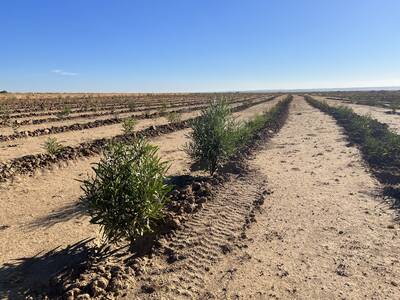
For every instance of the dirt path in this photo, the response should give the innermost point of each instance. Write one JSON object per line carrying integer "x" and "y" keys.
{"x": 323, "y": 233}
{"x": 378, "y": 113}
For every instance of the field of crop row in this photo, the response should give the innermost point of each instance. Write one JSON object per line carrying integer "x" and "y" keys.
{"x": 283, "y": 199}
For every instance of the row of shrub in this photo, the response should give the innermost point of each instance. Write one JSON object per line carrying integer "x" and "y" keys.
{"x": 216, "y": 135}
{"x": 378, "y": 144}
{"x": 128, "y": 192}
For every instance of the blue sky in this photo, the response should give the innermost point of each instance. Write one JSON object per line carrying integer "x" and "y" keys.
{"x": 202, "y": 45}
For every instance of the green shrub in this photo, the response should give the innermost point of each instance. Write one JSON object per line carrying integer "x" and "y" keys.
{"x": 127, "y": 194}
{"x": 128, "y": 125}
{"x": 379, "y": 145}
{"x": 65, "y": 112}
{"x": 213, "y": 135}
{"x": 131, "y": 106}
{"x": 115, "y": 114}
{"x": 163, "y": 109}
{"x": 52, "y": 146}
{"x": 174, "y": 117}
{"x": 394, "y": 105}
{"x": 15, "y": 126}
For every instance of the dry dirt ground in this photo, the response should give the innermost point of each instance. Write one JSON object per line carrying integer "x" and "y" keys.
{"x": 34, "y": 145}
{"x": 322, "y": 233}
{"x": 7, "y": 130}
{"x": 40, "y": 213}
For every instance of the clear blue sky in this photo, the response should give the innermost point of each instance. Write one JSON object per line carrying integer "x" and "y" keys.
{"x": 202, "y": 45}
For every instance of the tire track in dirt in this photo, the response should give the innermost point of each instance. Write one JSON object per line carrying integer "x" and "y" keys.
{"x": 202, "y": 242}
{"x": 324, "y": 233}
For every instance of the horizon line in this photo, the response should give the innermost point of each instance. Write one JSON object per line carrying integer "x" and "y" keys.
{"x": 276, "y": 90}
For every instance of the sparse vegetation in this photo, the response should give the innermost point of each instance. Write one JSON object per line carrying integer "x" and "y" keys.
{"x": 213, "y": 135}
{"x": 131, "y": 106}
{"x": 372, "y": 98}
{"x": 128, "y": 125}
{"x": 52, "y": 146}
{"x": 394, "y": 105}
{"x": 174, "y": 117}
{"x": 216, "y": 136}
{"x": 15, "y": 126}
{"x": 163, "y": 109}
{"x": 128, "y": 192}
{"x": 379, "y": 145}
{"x": 65, "y": 112}
{"x": 4, "y": 113}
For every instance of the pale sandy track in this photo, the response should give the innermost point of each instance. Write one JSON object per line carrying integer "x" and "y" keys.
{"x": 378, "y": 113}
{"x": 323, "y": 233}
{"x": 41, "y": 210}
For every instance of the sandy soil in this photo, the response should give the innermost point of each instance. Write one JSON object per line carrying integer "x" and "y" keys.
{"x": 47, "y": 215}
{"x": 323, "y": 233}
{"x": 8, "y": 130}
{"x": 257, "y": 109}
{"x": 39, "y": 213}
{"x": 378, "y": 113}
{"x": 34, "y": 145}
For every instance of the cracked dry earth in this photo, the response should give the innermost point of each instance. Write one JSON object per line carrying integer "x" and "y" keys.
{"x": 323, "y": 233}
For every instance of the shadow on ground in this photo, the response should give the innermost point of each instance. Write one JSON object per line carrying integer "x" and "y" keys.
{"x": 39, "y": 275}
{"x": 66, "y": 213}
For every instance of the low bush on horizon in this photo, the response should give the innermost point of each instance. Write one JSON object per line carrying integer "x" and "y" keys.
{"x": 127, "y": 194}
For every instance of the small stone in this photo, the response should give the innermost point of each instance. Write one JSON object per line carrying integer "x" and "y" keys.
{"x": 73, "y": 293}
{"x": 226, "y": 248}
{"x": 173, "y": 223}
{"x": 196, "y": 186}
{"x": 96, "y": 291}
{"x": 101, "y": 282}
{"x": 83, "y": 297}
{"x": 146, "y": 288}
{"x": 175, "y": 193}
{"x": 201, "y": 200}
